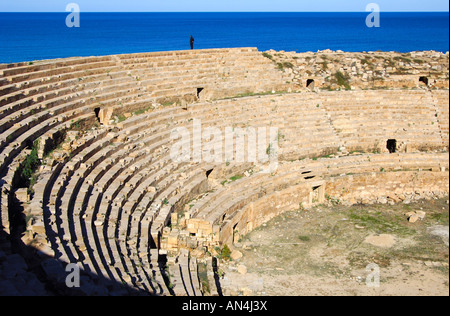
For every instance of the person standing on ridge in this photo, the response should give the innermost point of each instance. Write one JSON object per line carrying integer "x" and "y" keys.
{"x": 192, "y": 42}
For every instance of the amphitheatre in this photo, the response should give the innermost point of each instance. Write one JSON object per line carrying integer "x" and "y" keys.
{"x": 86, "y": 175}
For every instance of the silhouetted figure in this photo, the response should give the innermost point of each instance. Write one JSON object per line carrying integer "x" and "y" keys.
{"x": 192, "y": 42}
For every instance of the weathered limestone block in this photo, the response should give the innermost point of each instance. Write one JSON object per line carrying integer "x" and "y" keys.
{"x": 104, "y": 115}
{"x": 22, "y": 195}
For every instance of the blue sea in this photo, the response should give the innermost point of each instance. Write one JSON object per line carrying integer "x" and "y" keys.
{"x": 34, "y": 36}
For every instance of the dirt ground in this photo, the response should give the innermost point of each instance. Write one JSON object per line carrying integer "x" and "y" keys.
{"x": 335, "y": 250}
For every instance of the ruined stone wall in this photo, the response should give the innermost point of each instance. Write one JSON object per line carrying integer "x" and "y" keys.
{"x": 367, "y": 188}
{"x": 366, "y": 179}
{"x": 337, "y": 70}
{"x": 262, "y": 210}
{"x": 388, "y": 187}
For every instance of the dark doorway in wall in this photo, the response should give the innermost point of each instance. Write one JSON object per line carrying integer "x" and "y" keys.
{"x": 209, "y": 172}
{"x": 29, "y": 144}
{"x": 199, "y": 92}
{"x": 424, "y": 80}
{"x": 392, "y": 145}
{"x": 315, "y": 194}
{"x": 215, "y": 266}
{"x": 310, "y": 83}
{"x": 236, "y": 235}
{"x": 97, "y": 112}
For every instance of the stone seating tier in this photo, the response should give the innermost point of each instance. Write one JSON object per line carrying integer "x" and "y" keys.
{"x": 107, "y": 203}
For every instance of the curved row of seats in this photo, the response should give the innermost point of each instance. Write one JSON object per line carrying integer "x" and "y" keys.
{"x": 106, "y": 204}
{"x": 128, "y": 211}
{"x": 85, "y": 155}
{"x": 94, "y": 156}
{"x": 40, "y": 99}
{"x": 440, "y": 99}
{"x": 364, "y": 119}
{"x": 52, "y": 95}
{"x": 101, "y": 175}
{"x": 224, "y": 205}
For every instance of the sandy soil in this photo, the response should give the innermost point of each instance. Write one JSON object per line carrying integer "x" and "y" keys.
{"x": 336, "y": 250}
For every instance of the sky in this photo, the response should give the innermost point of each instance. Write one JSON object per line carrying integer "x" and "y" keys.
{"x": 222, "y": 5}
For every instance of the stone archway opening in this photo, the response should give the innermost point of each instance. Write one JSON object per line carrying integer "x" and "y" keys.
{"x": 310, "y": 83}
{"x": 200, "y": 93}
{"x": 236, "y": 235}
{"x": 97, "y": 114}
{"x": 391, "y": 145}
{"x": 208, "y": 173}
{"x": 424, "y": 80}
